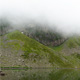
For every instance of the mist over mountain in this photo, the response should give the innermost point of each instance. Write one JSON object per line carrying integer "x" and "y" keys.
{"x": 64, "y": 15}
{"x": 39, "y": 34}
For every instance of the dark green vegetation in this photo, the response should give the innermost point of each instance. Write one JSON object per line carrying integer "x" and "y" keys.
{"x": 19, "y": 50}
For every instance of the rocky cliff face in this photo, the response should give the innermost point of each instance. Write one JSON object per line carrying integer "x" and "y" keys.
{"x": 44, "y": 35}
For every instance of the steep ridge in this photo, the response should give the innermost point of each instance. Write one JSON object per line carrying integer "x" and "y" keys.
{"x": 16, "y": 49}
{"x": 70, "y": 46}
{"x": 44, "y": 35}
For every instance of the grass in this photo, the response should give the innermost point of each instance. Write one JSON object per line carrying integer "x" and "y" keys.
{"x": 73, "y": 42}
{"x": 57, "y": 48}
{"x": 29, "y": 45}
{"x": 17, "y": 41}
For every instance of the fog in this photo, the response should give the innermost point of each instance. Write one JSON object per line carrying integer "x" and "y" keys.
{"x": 62, "y": 14}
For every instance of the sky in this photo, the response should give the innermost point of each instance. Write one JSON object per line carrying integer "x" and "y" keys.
{"x": 65, "y": 14}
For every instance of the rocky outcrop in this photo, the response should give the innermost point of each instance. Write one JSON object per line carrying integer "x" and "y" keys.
{"x": 45, "y": 36}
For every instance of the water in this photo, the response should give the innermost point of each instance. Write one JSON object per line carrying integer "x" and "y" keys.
{"x": 42, "y": 74}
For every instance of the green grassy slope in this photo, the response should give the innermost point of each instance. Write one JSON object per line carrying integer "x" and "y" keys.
{"x": 70, "y": 48}
{"x": 20, "y": 50}
{"x": 73, "y": 42}
{"x": 69, "y": 44}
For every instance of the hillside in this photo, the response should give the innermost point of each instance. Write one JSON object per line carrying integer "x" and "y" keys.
{"x": 19, "y": 50}
{"x": 44, "y": 35}
{"x": 70, "y": 46}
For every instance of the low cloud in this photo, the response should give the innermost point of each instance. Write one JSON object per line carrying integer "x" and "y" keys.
{"x": 64, "y": 14}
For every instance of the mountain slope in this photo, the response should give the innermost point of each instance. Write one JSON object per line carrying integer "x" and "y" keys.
{"x": 70, "y": 46}
{"x": 19, "y": 50}
{"x": 44, "y": 35}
